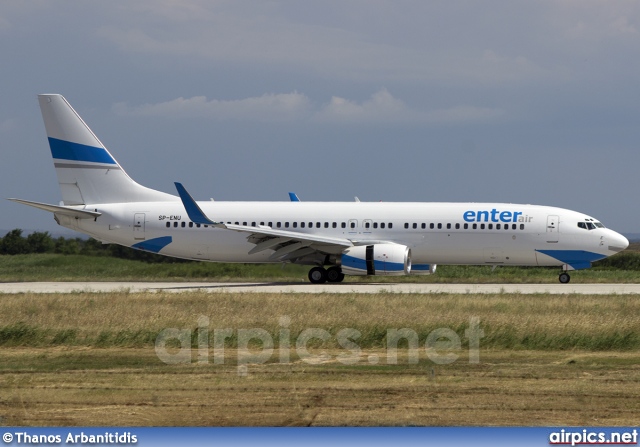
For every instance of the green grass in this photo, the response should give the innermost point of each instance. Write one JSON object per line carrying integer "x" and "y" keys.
{"x": 622, "y": 268}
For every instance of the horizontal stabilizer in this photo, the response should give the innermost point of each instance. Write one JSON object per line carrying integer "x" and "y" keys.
{"x": 64, "y": 210}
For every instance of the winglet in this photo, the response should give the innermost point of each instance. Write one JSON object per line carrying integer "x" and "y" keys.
{"x": 294, "y": 197}
{"x": 193, "y": 210}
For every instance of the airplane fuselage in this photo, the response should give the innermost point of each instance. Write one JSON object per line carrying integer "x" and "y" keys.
{"x": 436, "y": 233}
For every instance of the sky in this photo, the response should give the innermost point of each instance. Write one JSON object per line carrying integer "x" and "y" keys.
{"x": 465, "y": 101}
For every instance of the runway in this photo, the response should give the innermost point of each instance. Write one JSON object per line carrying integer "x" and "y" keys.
{"x": 554, "y": 289}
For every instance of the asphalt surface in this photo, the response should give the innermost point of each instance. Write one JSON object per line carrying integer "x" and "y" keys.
{"x": 67, "y": 287}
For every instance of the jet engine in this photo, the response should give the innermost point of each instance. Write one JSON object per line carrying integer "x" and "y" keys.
{"x": 377, "y": 259}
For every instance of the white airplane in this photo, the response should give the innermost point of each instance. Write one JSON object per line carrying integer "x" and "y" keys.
{"x": 336, "y": 238}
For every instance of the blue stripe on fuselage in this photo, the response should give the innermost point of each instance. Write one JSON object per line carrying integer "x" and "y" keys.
{"x": 578, "y": 259}
{"x": 66, "y": 150}
{"x": 153, "y": 245}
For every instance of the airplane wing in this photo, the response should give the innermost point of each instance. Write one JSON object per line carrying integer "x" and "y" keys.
{"x": 64, "y": 210}
{"x": 287, "y": 245}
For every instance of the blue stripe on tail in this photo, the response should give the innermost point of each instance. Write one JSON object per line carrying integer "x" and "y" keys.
{"x": 66, "y": 150}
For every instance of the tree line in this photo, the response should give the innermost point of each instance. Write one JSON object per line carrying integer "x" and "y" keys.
{"x": 14, "y": 243}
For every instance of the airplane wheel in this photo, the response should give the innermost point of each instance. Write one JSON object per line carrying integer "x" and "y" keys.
{"x": 318, "y": 275}
{"x": 334, "y": 274}
{"x": 564, "y": 278}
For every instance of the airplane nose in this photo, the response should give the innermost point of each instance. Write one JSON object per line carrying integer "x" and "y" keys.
{"x": 617, "y": 242}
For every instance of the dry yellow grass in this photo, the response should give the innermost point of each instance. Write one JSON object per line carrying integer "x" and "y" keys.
{"x": 76, "y": 383}
{"x": 501, "y": 315}
{"x": 507, "y": 388}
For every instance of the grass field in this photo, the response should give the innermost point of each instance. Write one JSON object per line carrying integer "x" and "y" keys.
{"x": 58, "y": 267}
{"x": 90, "y": 359}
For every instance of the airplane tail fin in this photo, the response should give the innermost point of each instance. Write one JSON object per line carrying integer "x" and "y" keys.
{"x": 87, "y": 172}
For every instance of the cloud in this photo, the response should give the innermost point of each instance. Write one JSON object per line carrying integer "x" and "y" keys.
{"x": 268, "y": 107}
{"x": 380, "y": 108}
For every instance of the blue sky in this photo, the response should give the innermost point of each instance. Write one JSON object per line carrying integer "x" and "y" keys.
{"x": 521, "y": 102}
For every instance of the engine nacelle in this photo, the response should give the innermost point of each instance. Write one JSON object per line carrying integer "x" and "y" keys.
{"x": 423, "y": 269}
{"x": 378, "y": 259}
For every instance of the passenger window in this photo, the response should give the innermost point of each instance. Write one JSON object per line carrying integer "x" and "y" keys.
{"x": 423, "y": 226}
{"x": 375, "y": 225}
{"x": 522, "y": 226}
{"x": 326, "y": 224}
{"x": 415, "y": 225}
{"x": 244, "y": 224}
{"x": 498, "y": 226}
{"x": 301, "y": 224}
{"x": 343, "y": 225}
{"x": 432, "y": 226}
{"x": 466, "y": 226}
{"x": 175, "y": 225}
{"x": 382, "y": 225}
{"x": 197, "y": 225}
{"x": 253, "y": 224}
{"x": 183, "y": 224}
{"x": 482, "y": 226}
{"x": 270, "y": 224}
{"x": 457, "y": 226}
{"x": 390, "y": 225}
{"x": 491, "y": 226}
{"x": 366, "y": 224}
{"x": 353, "y": 224}
{"x": 406, "y": 225}
{"x": 448, "y": 226}
{"x": 334, "y": 225}
{"x": 295, "y": 225}
{"x": 190, "y": 224}
{"x": 279, "y": 224}
{"x": 168, "y": 224}
{"x": 286, "y": 224}
{"x": 475, "y": 226}
{"x": 439, "y": 226}
{"x": 318, "y": 225}
{"x": 514, "y": 226}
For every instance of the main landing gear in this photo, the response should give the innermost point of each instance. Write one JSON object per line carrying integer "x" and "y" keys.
{"x": 564, "y": 278}
{"x": 319, "y": 275}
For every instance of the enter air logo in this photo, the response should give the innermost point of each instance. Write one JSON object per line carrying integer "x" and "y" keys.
{"x": 495, "y": 216}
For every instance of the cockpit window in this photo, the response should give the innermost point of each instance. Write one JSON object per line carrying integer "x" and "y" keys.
{"x": 590, "y": 224}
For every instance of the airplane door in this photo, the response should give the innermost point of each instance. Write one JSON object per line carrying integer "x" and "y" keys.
{"x": 353, "y": 226}
{"x": 138, "y": 226}
{"x": 367, "y": 225}
{"x": 552, "y": 228}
